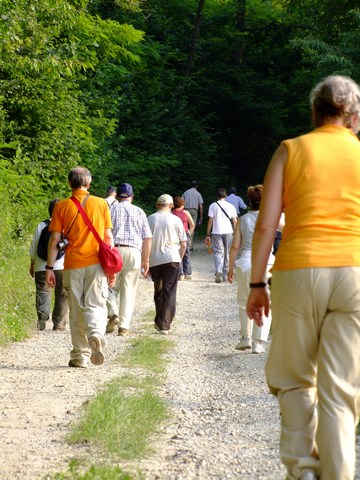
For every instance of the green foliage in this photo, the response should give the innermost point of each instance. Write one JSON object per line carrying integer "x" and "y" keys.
{"x": 17, "y": 306}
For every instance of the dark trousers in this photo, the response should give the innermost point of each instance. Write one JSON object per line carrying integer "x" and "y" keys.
{"x": 165, "y": 278}
{"x": 60, "y": 313}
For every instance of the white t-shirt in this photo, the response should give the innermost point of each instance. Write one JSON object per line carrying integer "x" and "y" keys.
{"x": 168, "y": 231}
{"x": 221, "y": 223}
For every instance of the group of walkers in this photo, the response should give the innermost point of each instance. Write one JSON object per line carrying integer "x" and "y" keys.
{"x": 313, "y": 363}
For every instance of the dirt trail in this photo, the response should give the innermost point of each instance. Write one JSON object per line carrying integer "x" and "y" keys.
{"x": 224, "y": 425}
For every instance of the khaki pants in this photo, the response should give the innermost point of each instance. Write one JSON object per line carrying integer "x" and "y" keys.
{"x": 86, "y": 291}
{"x": 314, "y": 368}
{"x": 121, "y": 301}
{"x": 248, "y": 328}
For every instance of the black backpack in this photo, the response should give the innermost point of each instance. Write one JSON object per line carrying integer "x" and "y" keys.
{"x": 42, "y": 249}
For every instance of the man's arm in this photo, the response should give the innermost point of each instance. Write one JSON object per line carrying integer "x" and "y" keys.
{"x": 145, "y": 254}
{"x": 108, "y": 237}
{"x": 208, "y": 231}
{"x": 53, "y": 250}
{"x": 200, "y": 213}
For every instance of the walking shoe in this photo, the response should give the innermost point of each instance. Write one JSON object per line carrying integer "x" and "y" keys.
{"x": 187, "y": 277}
{"x": 78, "y": 363}
{"x": 112, "y": 322}
{"x": 41, "y": 325}
{"x": 258, "y": 347}
{"x": 181, "y": 277}
{"x": 165, "y": 332}
{"x": 308, "y": 476}
{"x": 218, "y": 277}
{"x": 244, "y": 344}
{"x": 97, "y": 356}
{"x": 122, "y": 332}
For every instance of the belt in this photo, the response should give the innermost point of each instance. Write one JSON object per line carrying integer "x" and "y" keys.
{"x": 121, "y": 245}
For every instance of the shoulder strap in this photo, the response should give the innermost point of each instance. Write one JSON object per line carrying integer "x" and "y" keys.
{"x": 224, "y": 211}
{"x": 86, "y": 219}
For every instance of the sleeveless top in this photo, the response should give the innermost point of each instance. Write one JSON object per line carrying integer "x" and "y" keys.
{"x": 321, "y": 198}
{"x": 247, "y": 227}
{"x": 183, "y": 217}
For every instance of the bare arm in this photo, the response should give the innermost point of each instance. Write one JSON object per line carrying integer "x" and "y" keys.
{"x": 234, "y": 250}
{"x": 200, "y": 213}
{"x": 108, "y": 237}
{"x": 182, "y": 249}
{"x": 190, "y": 222}
{"x": 145, "y": 254}
{"x": 267, "y": 222}
{"x": 53, "y": 250}
{"x": 208, "y": 231}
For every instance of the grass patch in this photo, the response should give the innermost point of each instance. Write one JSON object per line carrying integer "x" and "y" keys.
{"x": 103, "y": 472}
{"x": 17, "y": 307}
{"x": 148, "y": 353}
{"x": 121, "y": 422}
{"x": 122, "y": 417}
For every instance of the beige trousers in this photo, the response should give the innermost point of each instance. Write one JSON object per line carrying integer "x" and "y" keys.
{"x": 247, "y": 327}
{"x": 86, "y": 290}
{"x": 122, "y": 297}
{"x": 314, "y": 368}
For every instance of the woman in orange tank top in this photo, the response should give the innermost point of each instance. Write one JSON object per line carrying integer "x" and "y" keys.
{"x": 313, "y": 366}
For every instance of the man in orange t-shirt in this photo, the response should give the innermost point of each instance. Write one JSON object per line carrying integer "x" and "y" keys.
{"x": 84, "y": 280}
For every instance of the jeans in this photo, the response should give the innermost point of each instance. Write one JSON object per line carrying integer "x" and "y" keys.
{"x": 185, "y": 267}
{"x": 60, "y": 313}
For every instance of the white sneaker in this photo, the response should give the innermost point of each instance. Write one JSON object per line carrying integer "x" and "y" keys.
{"x": 244, "y": 344}
{"x": 258, "y": 346}
{"x": 308, "y": 476}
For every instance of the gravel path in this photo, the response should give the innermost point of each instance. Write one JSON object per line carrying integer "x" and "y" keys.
{"x": 224, "y": 424}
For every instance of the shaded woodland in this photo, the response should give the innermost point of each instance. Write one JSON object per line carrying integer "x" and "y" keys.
{"x": 155, "y": 93}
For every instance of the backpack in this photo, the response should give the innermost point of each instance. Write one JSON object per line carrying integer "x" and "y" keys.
{"x": 42, "y": 249}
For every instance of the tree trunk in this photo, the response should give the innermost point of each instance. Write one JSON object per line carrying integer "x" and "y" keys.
{"x": 195, "y": 37}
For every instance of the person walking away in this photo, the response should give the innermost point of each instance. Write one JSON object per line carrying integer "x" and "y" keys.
{"x": 235, "y": 200}
{"x": 132, "y": 236}
{"x": 194, "y": 205}
{"x": 189, "y": 226}
{"x": 313, "y": 366}
{"x": 221, "y": 225}
{"x": 251, "y": 335}
{"x": 84, "y": 280}
{"x": 111, "y": 196}
{"x": 60, "y": 312}
{"x": 167, "y": 250}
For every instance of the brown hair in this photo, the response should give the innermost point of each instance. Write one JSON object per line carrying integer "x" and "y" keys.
{"x": 178, "y": 202}
{"x": 254, "y": 194}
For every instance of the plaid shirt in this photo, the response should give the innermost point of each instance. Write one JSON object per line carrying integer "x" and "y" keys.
{"x": 130, "y": 225}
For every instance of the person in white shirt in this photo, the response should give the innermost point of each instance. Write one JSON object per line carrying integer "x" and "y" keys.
{"x": 111, "y": 196}
{"x": 167, "y": 250}
{"x": 221, "y": 225}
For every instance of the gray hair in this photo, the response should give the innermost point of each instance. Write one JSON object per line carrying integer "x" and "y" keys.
{"x": 79, "y": 177}
{"x": 336, "y": 96}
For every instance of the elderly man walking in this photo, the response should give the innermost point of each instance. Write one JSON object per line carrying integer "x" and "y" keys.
{"x": 167, "y": 250}
{"x": 84, "y": 280}
{"x": 132, "y": 236}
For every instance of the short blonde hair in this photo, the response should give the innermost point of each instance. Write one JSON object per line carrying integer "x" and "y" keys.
{"x": 336, "y": 96}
